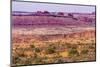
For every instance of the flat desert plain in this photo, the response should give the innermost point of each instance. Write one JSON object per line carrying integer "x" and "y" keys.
{"x": 52, "y": 39}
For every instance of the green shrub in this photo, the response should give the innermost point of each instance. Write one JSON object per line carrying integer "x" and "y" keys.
{"x": 37, "y": 50}
{"x": 50, "y": 50}
{"x": 73, "y": 52}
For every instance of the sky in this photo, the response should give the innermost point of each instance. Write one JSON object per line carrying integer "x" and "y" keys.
{"x": 33, "y": 7}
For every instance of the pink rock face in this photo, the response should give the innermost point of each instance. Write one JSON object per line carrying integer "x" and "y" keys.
{"x": 50, "y": 18}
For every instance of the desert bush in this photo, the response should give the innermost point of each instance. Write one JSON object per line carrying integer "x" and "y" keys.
{"x": 32, "y": 46}
{"x": 73, "y": 52}
{"x": 92, "y": 47}
{"x": 37, "y": 59}
{"x": 93, "y": 43}
{"x": 15, "y": 59}
{"x": 50, "y": 50}
{"x": 37, "y": 50}
{"x": 85, "y": 51}
{"x": 72, "y": 46}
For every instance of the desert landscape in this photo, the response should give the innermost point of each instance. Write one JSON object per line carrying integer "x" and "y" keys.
{"x": 44, "y": 37}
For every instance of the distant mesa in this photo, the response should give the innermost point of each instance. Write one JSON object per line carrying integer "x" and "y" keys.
{"x": 48, "y": 18}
